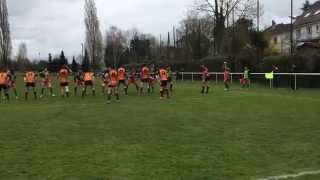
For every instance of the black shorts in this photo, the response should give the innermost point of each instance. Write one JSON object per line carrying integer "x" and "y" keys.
{"x": 145, "y": 80}
{"x": 122, "y": 82}
{"x": 3, "y": 87}
{"x": 164, "y": 83}
{"x": 64, "y": 84}
{"x": 206, "y": 79}
{"x": 88, "y": 83}
{"x": 31, "y": 85}
{"x": 112, "y": 86}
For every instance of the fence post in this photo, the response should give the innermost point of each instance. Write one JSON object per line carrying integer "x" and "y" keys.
{"x": 192, "y": 77}
{"x": 216, "y": 78}
{"x": 231, "y": 79}
{"x": 182, "y": 78}
{"x": 295, "y": 81}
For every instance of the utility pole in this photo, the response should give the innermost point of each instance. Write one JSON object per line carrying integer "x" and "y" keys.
{"x": 258, "y": 15}
{"x": 291, "y": 29}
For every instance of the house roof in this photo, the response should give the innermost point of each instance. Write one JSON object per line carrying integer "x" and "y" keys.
{"x": 278, "y": 29}
{"x": 310, "y": 16}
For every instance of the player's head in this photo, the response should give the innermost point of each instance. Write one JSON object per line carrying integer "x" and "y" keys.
{"x": 246, "y": 67}
{"x": 143, "y": 65}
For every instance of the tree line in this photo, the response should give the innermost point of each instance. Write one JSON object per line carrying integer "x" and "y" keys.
{"x": 211, "y": 28}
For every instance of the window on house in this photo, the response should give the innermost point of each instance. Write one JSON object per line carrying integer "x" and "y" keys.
{"x": 275, "y": 40}
{"x": 298, "y": 33}
{"x": 307, "y": 15}
{"x": 318, "y": 28}
{"x": 309, "y": 30}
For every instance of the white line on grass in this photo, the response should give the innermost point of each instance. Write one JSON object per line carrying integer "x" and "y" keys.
{"x": 305, "y": 173}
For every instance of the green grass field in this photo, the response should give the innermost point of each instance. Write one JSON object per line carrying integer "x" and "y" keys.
{"x": 236, "y": 135}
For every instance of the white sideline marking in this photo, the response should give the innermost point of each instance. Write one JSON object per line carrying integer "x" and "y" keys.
{"x": 305, "y": 173}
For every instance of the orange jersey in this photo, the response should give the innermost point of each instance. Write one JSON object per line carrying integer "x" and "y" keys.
{"x": 163, "y": 74}
{"x": 113, "y": 77}
{"x": 145, "y": 73}
{"x": 88, "y": 76}
{"x": 3, "y": 78}
{"x": 121, "y": 73}
{"x": 30, "y": 77}
{"x": 64, "y": 75}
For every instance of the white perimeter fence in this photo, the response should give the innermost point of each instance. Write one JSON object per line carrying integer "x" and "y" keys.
{"x": 293, "y": 80}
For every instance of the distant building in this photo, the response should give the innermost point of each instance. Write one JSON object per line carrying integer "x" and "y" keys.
{"x": 306, "y": 29}
{"x": 279, "y": 37}
{"x": 307, "y": 25}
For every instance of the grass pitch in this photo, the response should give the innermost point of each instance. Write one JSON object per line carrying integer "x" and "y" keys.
{"x": 236, "y": 135}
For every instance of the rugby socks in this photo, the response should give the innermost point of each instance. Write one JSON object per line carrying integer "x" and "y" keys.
{"x": 117, "y": 96}
{"x": 208, "y": 88}
{"x": 126, "y": 90}
{"x": 75, "y": 91}
{"x": 26, "y": 95}
{"x": 42, "y": 91}
{"x": 35, "y": 95}
{"x": 7, "y": 96}
{"x": 93, "y": 92}
{"x": 141, "y": 91}
{"x": 202, "y": 91}
{"x": 171, "y": 87}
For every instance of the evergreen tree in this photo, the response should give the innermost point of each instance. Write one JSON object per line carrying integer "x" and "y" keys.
{"x": 63, "y": 59}
{"x": 86, "y": 61}
{"x": 306, "y": 6}
{"x": 74, "y": 65}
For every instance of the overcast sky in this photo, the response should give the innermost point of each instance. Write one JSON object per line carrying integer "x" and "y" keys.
{"x": 52, "y": 25}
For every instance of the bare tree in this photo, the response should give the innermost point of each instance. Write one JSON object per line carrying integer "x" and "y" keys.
{"x": 5, "y": 38}
{"x": 220, "y": 11}
{"x": 22, "y": 57}
{"x": 93, "y": 44}
{"x": 116, "y": 45}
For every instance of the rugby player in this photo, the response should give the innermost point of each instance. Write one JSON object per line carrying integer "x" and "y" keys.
{"x": 46, "y": 82}
{"x": 30, "y": 80}
{"x": 4, "y": 84}
{"x": 113, "y": 85}
{"x": 122, "y": 77}
{"x": 88, "y": 78}
{"x": 64, "y": 80}
{"x": 205, "y": 79}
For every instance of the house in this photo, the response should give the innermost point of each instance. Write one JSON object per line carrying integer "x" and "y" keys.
{"x": 306, "y": 29}
{"x": 307, "y": 25}
{"x": 279, "y": 37}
